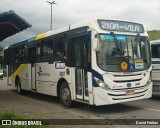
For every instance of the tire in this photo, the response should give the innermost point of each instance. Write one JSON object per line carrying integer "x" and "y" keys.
{"x": 65, "y": 95}
{"x": 18, "y": 87}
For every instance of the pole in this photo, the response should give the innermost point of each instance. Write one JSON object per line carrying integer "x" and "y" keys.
{"x": 51, "y": 18}
{"x": 51, "y": 3}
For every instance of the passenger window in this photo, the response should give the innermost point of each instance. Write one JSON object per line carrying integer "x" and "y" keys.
{"x": 155, "y": 51}
{"x": 45, "y": 50}
{"x": 61, "y": 47}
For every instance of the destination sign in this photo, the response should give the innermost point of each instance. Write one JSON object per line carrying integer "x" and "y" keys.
{"x": 123, "y": 26}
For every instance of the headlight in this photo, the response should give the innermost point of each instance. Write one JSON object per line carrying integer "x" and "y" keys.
{"x": 149, "y": 81}
{"x": 101, "y": 84}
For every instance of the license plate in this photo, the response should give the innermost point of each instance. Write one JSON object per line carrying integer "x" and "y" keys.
{"x": 130, "y": 92}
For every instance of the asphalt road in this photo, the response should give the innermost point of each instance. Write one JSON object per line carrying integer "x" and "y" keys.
{"x": 39, "y": 106}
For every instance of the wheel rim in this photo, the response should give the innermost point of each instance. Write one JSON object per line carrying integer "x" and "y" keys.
{"x": 65, "y": 95}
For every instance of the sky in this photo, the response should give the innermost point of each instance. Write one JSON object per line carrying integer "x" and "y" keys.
{"x": 65, "y": 12}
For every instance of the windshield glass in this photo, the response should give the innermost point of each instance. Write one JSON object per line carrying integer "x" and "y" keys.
{"x": 115, "y": 49}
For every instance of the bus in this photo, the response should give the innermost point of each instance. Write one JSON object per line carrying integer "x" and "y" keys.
{"x": 155, "y": 48}
{"x": 97, "y": 62}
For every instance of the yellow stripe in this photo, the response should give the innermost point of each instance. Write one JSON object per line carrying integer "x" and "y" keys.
{"x": 20, "y": 69}
{"x": 40, "y": 36}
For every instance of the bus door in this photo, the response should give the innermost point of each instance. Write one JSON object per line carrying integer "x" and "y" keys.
{"x": 81, "y": 53}
{"x": 32, "y": 58}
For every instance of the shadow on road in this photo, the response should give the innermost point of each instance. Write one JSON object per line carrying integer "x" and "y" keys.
{"x": 116, "y": 108}
{"x": 37, "y": 96}
{"x": 156, "y": 96}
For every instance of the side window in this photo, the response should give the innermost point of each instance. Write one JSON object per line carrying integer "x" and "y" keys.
{"x": 159, "y": 52}
{"x": 61, "y": 46}
{"x": 87, "y": 41}
{"x": 38, "y": 51}
{"x": 81, "y": 52}
{"x": 19, "y": 54}
{"x": 16, "y": 55}
{"x": 32, "y": 56}
{"x": 44, "y": 50}
{"x": 76, "y": 55}
{"x": 47, "y": 49}
{"x": 155, "y": 51}
{"x": 21, "y": 57}
{"x": 25, "y": 53}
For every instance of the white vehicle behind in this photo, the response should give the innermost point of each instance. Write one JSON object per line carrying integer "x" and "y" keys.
{"x": 155, "y": 47}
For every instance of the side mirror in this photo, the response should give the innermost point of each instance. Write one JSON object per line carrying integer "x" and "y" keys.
{"x": 96, "y": 46}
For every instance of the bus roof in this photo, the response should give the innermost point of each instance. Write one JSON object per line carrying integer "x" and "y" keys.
{"x": 95, "y": 24}
{"x": 80, "y": 24}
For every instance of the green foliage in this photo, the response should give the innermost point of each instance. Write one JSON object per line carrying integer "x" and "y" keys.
{"x": 9, "y": 116}
{"x": 154, "y": 35}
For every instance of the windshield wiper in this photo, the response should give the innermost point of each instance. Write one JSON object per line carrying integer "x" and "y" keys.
{"x": 116, "y": 43}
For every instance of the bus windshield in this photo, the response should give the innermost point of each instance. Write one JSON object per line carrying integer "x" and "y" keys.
{"x": 114, "y": 49}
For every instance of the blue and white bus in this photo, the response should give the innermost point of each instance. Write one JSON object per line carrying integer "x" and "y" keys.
{"x": 98, "y": 62}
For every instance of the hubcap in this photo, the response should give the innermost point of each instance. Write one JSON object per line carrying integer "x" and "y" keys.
{"x": 65, "y": 95}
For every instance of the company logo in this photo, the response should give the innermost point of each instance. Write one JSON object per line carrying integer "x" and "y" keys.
{"x": 129, "y": 85}
{"x": 41, "y": 73}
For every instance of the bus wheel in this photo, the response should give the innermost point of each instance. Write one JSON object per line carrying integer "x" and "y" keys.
{"x": 18, "y": 87}
{"x": 65, "y": 95}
